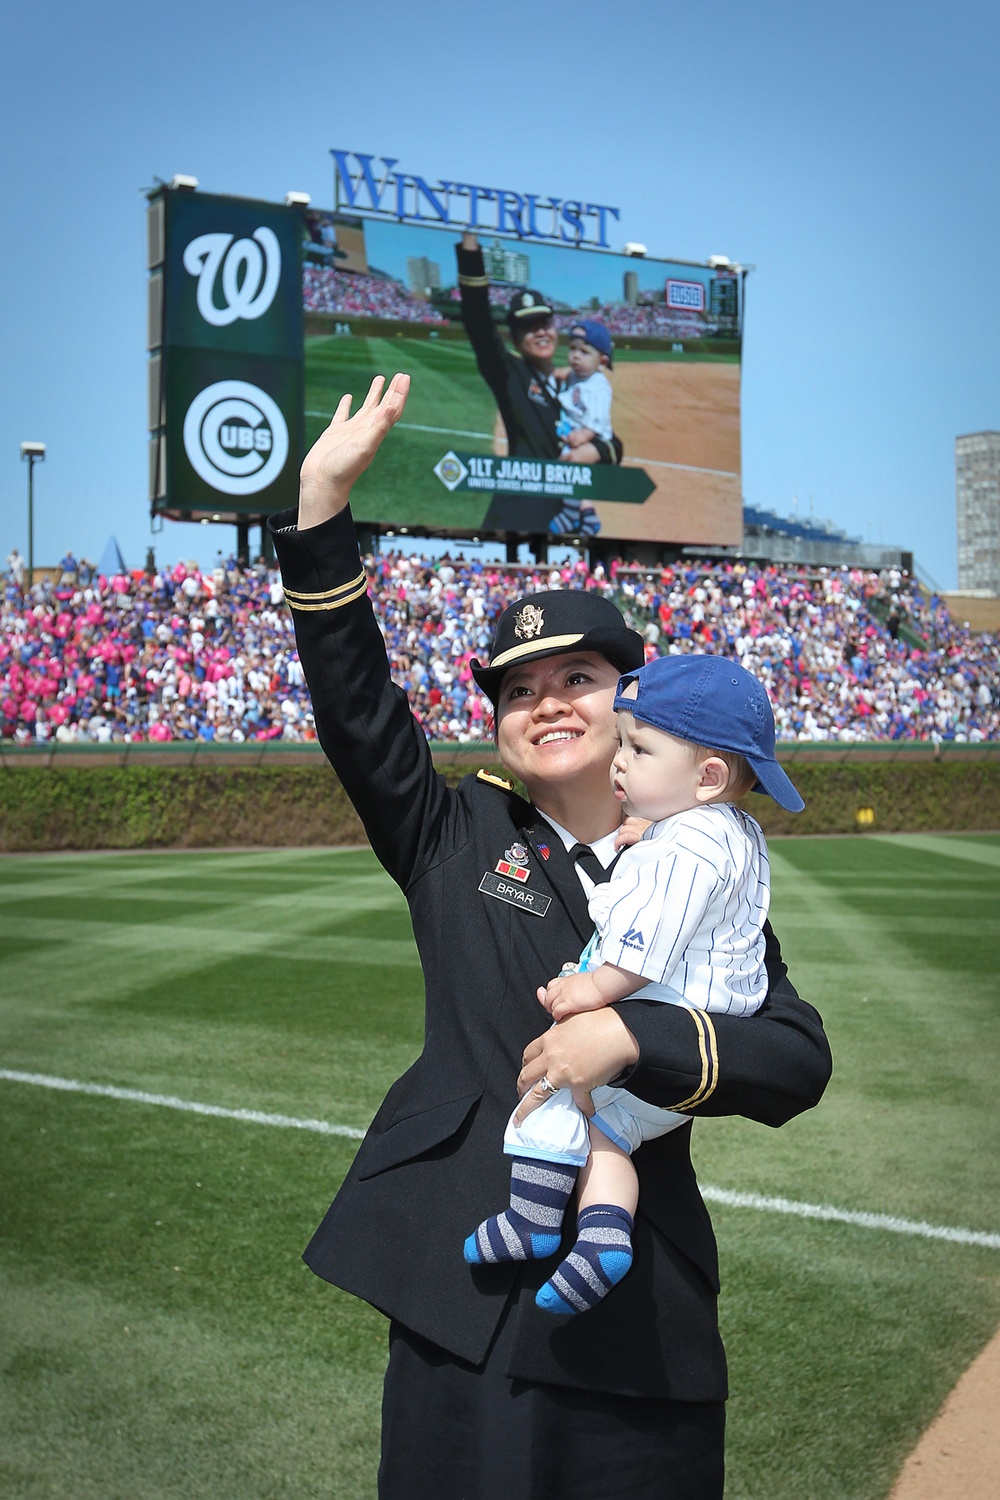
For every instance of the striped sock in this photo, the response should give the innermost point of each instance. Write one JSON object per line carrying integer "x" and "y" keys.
{"x": 568, "y": 520}
{"x": 599, "y": 1259}
{"x": 530, "y": 1228}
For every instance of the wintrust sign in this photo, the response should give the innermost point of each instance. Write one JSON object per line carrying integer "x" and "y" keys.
{"x": 369, "y": 184}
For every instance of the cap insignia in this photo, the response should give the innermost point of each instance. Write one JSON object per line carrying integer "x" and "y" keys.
{"x": 528, "y": 622}
{"x": 527, "y": 300}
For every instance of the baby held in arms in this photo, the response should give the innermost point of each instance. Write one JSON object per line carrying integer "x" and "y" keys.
{"x": 680, "y": 921}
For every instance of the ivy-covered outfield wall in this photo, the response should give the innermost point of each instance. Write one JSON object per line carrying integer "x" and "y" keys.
{"x": 113, "y": 798}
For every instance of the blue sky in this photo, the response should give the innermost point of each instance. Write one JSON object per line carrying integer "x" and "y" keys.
{"x": 849, "y": 153}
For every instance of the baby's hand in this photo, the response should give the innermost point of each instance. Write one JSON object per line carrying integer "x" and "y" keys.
{"x": 569, "y": 995}
{"x": 630, "y": 832}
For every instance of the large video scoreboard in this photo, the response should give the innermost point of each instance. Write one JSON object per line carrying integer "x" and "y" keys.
{"x": 262, "y": 315}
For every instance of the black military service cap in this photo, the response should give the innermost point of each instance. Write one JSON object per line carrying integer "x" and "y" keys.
{"x": 528, "y": 307}
{"x": 552, "y": 623}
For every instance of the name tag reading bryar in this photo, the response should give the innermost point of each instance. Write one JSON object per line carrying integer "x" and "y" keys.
{"x": 514, "y": 894}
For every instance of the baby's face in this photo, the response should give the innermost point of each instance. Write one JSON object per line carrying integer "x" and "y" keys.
{"x": 584, "y": 359}
{"x": 654, "y": 774}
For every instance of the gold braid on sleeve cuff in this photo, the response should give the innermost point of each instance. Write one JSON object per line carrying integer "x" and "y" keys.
{"x": 336, "y": 598}
{"x": 709, "y": 1052}
{"x": 473, "y": 281}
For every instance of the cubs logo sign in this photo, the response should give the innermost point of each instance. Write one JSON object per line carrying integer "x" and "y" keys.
{"x": 235, "y": 437}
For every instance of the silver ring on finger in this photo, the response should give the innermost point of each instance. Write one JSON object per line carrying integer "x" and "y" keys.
{"x": 546, "y": 1087}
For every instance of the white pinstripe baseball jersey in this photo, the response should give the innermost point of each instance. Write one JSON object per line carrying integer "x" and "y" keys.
{"x": 685, "y": 908}
{"x": 587, "y": 403}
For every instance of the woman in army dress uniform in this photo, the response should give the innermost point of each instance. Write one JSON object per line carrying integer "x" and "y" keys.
{"x": 485, "y": 1396}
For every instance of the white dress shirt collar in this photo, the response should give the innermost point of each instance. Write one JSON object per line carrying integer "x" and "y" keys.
{"x": 603, "y": 847}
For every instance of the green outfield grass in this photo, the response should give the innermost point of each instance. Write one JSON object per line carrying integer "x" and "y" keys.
{"x": 159, "y": 1334}
{"x": 447, "y": 393}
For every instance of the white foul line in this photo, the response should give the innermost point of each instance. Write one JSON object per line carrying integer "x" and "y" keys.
{"x": 419, "y": 427}
{"x": 834, "y": 1215}
{"x": 170, "y": 1101}
{"x": 726, "y": 1196}
{"x": 665, "y": 463}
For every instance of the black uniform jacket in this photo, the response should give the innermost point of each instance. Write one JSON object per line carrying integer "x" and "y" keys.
{"x": 528, "y": 408}
{"x": 431, "y": 1166}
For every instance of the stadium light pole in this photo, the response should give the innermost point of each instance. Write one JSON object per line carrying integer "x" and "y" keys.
{"x": 34, "y": 453}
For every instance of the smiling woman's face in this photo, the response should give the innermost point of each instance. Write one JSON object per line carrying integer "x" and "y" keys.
{"x": 556, "y": 723}
{"x": 537, "y": 343}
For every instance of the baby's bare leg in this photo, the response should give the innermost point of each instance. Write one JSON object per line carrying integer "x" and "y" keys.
{"x": 609, "y": 1176}
{"x": 609, "y": 1193}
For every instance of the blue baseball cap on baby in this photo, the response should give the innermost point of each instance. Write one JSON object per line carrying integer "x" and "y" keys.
{"x": 596, "y": 335}
{"x": 712, "y": 701}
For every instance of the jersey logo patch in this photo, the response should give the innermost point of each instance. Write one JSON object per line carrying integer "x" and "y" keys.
{"x": 633, "y": 939}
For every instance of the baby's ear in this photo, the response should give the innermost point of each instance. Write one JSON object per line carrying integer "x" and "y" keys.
{"x": 713, "y": 781}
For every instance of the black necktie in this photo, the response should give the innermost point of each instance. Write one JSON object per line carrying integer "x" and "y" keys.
{"x": 585, "y": 857}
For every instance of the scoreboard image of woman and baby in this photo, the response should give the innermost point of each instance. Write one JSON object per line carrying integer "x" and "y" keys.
{"x": 556, "y": 385}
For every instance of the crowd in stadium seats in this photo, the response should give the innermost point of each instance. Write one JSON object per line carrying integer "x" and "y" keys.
{"x": 189, "y": 655}
{"x": 647, "y": 320}
{"x": 655, "y": 322}
{"x": 325, "y": 289}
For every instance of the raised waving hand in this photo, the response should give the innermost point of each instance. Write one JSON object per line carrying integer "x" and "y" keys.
{"x": 343, "y": 451}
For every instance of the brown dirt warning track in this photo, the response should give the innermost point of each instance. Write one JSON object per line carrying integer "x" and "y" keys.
{"x": 679, "y": 413}
{"x": 958, "y": 1457}
{"x": 688, "y": 415}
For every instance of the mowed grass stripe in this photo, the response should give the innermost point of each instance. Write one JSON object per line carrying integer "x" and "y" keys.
{"x": 838, "y": 903}
{"x": 194, "y": 865}
{"x": 98, "y": 959}
{"x": 822, "y": 1211}
{"x": 974, "y": 851}
{"x": 104, "y": 923}
{"x": 199, "y": 942}
{"x": 281, "y": 1000}
{"x": 178, "y": 877}
{"x": 14, "y": 866}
